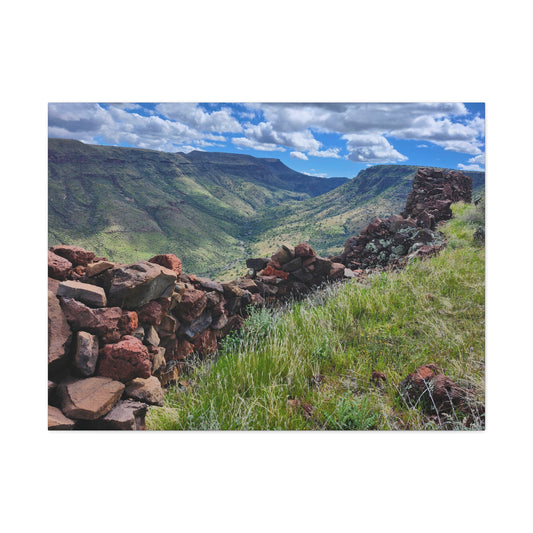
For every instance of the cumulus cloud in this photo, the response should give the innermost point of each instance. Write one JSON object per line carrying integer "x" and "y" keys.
{"x": 460, "y": 166}
{"x": 118, "y": 124}
{"x": 371, "y": 149}
{"x": 298, "y": 155}
{"x": 194, "y": 116}
{"x": 474, "y": 163}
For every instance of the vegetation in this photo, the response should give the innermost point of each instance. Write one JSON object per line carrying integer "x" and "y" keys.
{"x": 309, "y": 364}
{"x": 213, "y": 210}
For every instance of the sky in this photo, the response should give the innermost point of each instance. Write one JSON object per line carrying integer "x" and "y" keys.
{"x": 319, "y": 139}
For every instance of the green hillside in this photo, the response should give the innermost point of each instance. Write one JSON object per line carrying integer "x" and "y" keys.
{"x": 328, "y": 220}
{"x": 213, "y": 210}
{"x": 130, "y": 204}
{"x": 309, "y": 365}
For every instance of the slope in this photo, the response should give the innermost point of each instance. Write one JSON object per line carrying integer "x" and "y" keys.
{"x": 328, "y": 220}
{"x": 129, "y": 204}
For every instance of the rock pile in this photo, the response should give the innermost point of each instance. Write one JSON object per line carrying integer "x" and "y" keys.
{"x": 293, "y": 271}
{"x": 385, "y": 242}
{"x": 118, "y": 333}
{"x": 392, "y": 241}
{"x": 433, "y": 192}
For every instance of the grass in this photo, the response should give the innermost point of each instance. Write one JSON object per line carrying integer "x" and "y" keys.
{"x": 309, "y": 365}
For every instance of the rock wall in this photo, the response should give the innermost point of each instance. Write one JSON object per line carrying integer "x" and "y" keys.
{"x": 433, "y": 192}
{"x": 120, "y": 333}
{"x": 392, "y": 241}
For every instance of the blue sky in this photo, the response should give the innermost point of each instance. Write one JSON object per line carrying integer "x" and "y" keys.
{"x": 321, "y": 139}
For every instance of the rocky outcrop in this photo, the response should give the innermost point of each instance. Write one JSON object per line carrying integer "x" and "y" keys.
{"x": 391, "y": 242}
{"x": 385, "y": 242}
{"x": 433, "y": 192}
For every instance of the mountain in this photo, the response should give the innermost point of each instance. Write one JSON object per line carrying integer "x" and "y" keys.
{"x": 210, "y": 209}
{"x": 130, "y": 204}
{"x": 326, "y": 221}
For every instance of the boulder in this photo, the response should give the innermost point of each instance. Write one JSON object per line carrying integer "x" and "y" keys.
{"x": 283, "y": 255}
{"x": 57, "y": 420}
{"x": 304, "y": 250}
{"x": 76, "y": 255}
{"x": 58, "y": 267}
{"x": 136, "y": 284}
{"x": 198, "y": 325}
{"x": 93, "y": 269}
{"x": 336, "y": 271}
{"x": 153, "y": 312}
{"x": 146, "y": 390}
{"x": 88, "y": 294}
{"x": 209, "y": 285}
{"x": 86, "y": 354}
{"x": 125, "y": 360}
{"x": 434, "y": 392}
{"x": 59, "y": 333}
{"x": 158, "y": 359}
{"x": 258, "y": 263}
{"x": 89, "y": 399}
{"x": 151, "y": 337}
{"x": 190, "y": 304}
{"x": 169, "y": 261}
{"x": 167, "y": 326}
{"x": 205, "y": 343}
{"x": 125, "y": 415}
{"x": 109, "y": 323}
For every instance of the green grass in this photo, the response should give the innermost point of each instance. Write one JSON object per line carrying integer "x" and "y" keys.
{"x": 308, "y": 365}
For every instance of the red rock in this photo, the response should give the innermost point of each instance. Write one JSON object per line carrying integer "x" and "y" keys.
{"x": 191, "y": 304}
{"x": 128, "y": 323}
{"x": 59, "y": 333}
{"x": 58, "y": 267}
{"x": 168, "y": 326}
{"x": 269, "y": 271}
{"x": 168, "y": 261}
{"x": 89, "y": 399}
{"x": 283, "y": 255}
{"x": 170, "y": 373}
{"x": 304, "y": 250}
{"x": 53, "y": 285}
{"x": 153, "y": 312}
{"x": 432, "y": 390}
{"x": 125, "y": 360}
{"x": 206, "y": 342}
{"x": 76, "y": 255}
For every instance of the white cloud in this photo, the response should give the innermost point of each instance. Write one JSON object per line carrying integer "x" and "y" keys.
{"x": 330, "y": 152}
{"x": 460, "y": 166}
{"x": 371, "y": 149}
{"x": 298, "y": 155}
{"x": 248, "y": 143}
{"x": 476, "y": 163}
{"x": 194, "y": 116}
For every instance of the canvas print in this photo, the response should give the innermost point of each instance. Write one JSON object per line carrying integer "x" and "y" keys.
{"x": 266, "y": 266}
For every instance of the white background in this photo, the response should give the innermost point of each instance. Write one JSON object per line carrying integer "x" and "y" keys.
{"x": 275, "y": 51}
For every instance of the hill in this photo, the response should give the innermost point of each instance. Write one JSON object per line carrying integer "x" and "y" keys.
{"x": 328, "y": 220}
{"x": 128, "y": 203}
{"x": 342, "y": 358}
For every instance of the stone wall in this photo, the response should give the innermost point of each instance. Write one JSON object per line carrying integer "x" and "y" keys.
{"x": 120, "y": 333}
